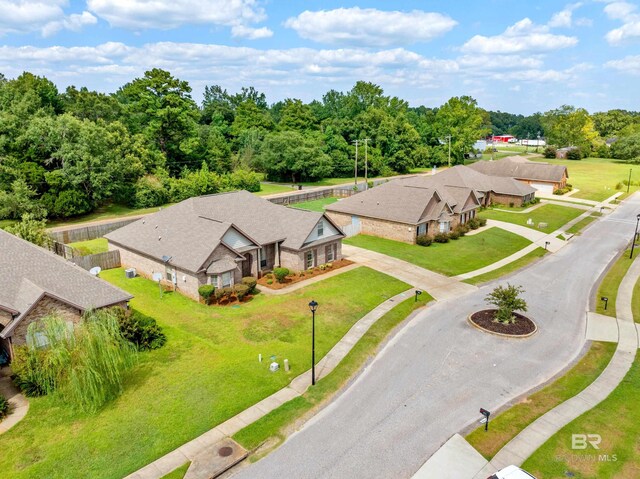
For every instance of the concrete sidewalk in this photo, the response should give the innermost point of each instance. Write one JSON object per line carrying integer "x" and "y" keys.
{"x": 439, "y": 286}
{"x": 195, "y": 448}
{"x": 18, "y": 404}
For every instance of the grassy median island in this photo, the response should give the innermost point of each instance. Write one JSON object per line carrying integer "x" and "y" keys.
{"x": 509, "y": 423}
{"x": 455, "y": 257}
{"x": 206, "y": 373}
{"x": 98, "y": 245}
{"x": 554, "y": 215}
{"x": 274, "y": 426}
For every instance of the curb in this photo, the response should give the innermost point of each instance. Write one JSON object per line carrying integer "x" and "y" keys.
{"x": 509, "y": 336}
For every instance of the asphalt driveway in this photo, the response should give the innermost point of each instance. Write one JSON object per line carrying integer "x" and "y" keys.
{"x": 430, "y": 380}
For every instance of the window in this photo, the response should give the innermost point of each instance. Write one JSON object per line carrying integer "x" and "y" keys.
{"x": 320, "y": 228}
{"x": 263, "y": 258}
{"x": 309, "y": 256}
{"x": 422, "y": 229}
{"x": 444, "y": 227}
{"x": 226, "y": 279}
{"x": 171, "y": 274}
{"x": 329, "y": 254}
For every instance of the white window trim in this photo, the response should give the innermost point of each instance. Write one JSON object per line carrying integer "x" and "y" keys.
{"x": 306, "y": 259}
{"x": 320, "y": 229}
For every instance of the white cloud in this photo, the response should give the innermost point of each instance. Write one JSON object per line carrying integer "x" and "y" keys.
{"x": 167, "y": 14}
{"x": 370, "y": 27}
{"x": 628, "y": 64}
{"x": 47, "y": 17}
{"x": 242, "y": 31}
{"x": 627, "y": 14}
{"x": 524, "y": 36}
{"x": 564, "y": 18}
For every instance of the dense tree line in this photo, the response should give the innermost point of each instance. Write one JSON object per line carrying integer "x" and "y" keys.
{"x": 67, "y": 153}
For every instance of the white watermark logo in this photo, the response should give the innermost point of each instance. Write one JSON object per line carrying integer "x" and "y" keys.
{"x": 583, "y": 441}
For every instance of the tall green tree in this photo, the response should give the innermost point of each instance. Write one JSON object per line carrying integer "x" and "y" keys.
{"x": 570, "y": 126}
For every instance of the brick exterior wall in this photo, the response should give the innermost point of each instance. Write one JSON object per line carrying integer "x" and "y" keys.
{"x": 507, "y": 199}
{"x": 295, "y": 260}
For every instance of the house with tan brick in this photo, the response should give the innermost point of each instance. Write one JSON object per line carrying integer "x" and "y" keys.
{"x": 544, "y": 177}
{"x": 35, "y": 283}
{"x": 218, "y": 239}
{"x": 403, "y": 209}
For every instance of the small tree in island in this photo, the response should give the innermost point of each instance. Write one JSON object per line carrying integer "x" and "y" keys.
{"x": 507, "y": 300}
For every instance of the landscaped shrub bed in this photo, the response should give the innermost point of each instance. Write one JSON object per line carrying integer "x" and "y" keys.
{"x": 4, "y": 407}
{"x": 486, "y": 320}
{"x": 270, "y": 281}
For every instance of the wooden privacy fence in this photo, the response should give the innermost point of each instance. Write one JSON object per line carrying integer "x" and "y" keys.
{"x": 301, "y": 196}
{"x": 85, "y": 233}
{"x": 106, "y": 260}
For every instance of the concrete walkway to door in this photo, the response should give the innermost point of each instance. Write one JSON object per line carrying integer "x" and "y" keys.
{"x": 437, "y": 285}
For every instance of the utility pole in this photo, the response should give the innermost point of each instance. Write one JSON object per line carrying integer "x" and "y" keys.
{"x": 538, "y": 143}
{"x": 366, "y": 163}
{"x": 629, "y": 182}
{"x": 448, "y": 137}
{"x": 355, "y": 174}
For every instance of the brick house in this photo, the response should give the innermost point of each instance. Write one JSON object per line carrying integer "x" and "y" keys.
{"x": 218, "y": 239}
{"x": 34, "y": 283}
{"x": 543, "y": 177}
{"x": 403, "y": 209}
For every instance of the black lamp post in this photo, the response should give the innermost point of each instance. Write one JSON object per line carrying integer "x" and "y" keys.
{"x": 606, "y": 301}
{"x": 635, "y": 236}
{"x": 313, "y": 305}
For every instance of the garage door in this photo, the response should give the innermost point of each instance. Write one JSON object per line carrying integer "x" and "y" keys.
{"x": 543, "y": 187}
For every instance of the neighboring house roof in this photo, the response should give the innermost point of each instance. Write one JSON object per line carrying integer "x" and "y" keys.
{"x": 28, "y": 273}
{"x": 189, "y": 231}
{"x": 521, "y": 168}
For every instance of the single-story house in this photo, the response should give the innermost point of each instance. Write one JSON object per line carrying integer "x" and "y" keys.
{"x": 403, "y": 209}
{"x": 35, "y": 282}
{"x": 218, "y": 239}
{"x": 542, "y": 176}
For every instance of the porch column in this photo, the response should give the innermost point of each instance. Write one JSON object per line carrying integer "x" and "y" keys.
{"x": 277, "y": 254}
{"x": 258, "y": 263}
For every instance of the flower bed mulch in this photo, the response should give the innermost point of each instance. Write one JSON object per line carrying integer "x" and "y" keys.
{"x": 485, "y": 320}
{"x": 295, "y": 277}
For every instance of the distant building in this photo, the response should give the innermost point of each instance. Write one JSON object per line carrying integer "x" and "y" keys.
{"x": 504, "y": 139}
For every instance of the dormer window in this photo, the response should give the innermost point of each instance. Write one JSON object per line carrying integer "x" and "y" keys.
{"x": 320, "y": 228}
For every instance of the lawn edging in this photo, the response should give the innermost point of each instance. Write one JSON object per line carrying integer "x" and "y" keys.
{"x": 266, "y": 434}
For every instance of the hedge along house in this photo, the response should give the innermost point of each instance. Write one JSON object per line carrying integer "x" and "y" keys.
{"x": 544, "y": 177}
{"x": 35, "y": 283}
{"x": 218, "y": 239}
{"x": 405, "y": 208}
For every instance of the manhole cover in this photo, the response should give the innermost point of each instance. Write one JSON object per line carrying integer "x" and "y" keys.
{"x": 225, "y": 451}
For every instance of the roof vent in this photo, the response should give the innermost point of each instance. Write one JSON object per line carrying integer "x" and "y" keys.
{"x": 156, "y": 227}
{"x": 143, "y": 221}
{"x": 159, "y": 238}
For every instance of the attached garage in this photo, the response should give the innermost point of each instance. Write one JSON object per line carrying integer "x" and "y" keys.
{"x": 543, "y": 187}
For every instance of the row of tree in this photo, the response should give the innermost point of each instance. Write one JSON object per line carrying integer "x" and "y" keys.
{"x": 65, "y": 154}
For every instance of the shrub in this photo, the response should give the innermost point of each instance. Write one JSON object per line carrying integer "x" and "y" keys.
{"x": 507, "y": 300}
{"x": 29, "y": 377}
{"x": 206, "y": 292}
{"x": 329, "y": 265}
{"x": 219, "y": 294}
{"x": 511, "y": 204}
{"x": 149, "y": 192}
{"x": 424, "y": 240}
{"x": 244, "y": 180}
{"x": 280, "y": 274}
{"x": 269, "y": 281}
{"x": 454, "y": 234}
{"x": 561, "y": 191}
{"x": 482, "y": 222}
{"x": 71, "y": 203}
{"x": 322, "y": 267}
{"x": 228, "y": 292}
{"x": 241, "y": 291}
{"x": 473, "y": 223}
{"x": 301, "y": 274}
{"x": 549, "y": 152}
{"x": 251, "y": 283}
{"x": 441, "y": 238}
{"x": 140, "y": 329}
{"x": 619, "y": 186}
{"x": 574, "y": 154}
{"x": 4, "y": 406}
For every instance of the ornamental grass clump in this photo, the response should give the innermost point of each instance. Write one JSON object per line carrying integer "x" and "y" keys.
{"x": 83, "y": 364}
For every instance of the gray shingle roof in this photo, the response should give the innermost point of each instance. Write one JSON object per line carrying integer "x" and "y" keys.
{"x": 27, "y": 272}
{"x": 521, "y": 168}
{"x": 189, "y": 231}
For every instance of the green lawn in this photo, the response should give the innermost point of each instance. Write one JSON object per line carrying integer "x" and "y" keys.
{"x": 112, "y": 211}
{"x": 98, "y": 245}
{"x": 509, "y": 268}
{"x": 273, "y": 188}
{"x": 635, "y": 303}
{"x": 455, "y": 257}
{"x": 509, "y": 423}
{"x": 315, "y": 205}
{"x": 5, "y": 223}
{"x": 616, "y": 420}
{"x": 580, "y": 225}
{"x": 596, "y": 178}
{"x": 610, "y": 283}
{"x": 206, "y": 373}
{"x": 178, "y": 473}
{"x": 276, "y": 423}
{"x": 554, "y": 215}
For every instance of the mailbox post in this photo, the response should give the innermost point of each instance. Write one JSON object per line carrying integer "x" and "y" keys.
{"x": 418, "y": 293}
{"x": 486, "y": 414}
{"x": 606, "y": 301}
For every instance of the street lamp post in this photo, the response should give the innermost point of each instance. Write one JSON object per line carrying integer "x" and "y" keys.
{"x": 313, "y": 305}
{"x": 635, "y": 236}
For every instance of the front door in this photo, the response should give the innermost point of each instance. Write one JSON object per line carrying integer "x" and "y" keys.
{"x": 246, "y": 265}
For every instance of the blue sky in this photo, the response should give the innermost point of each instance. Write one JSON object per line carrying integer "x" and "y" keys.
{"x": 514, "y": 56}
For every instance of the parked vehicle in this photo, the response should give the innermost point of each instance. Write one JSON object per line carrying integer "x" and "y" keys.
{"x": 511, "y": 472}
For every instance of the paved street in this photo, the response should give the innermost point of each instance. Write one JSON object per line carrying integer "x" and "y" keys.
{"x": 430, "y": 380}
